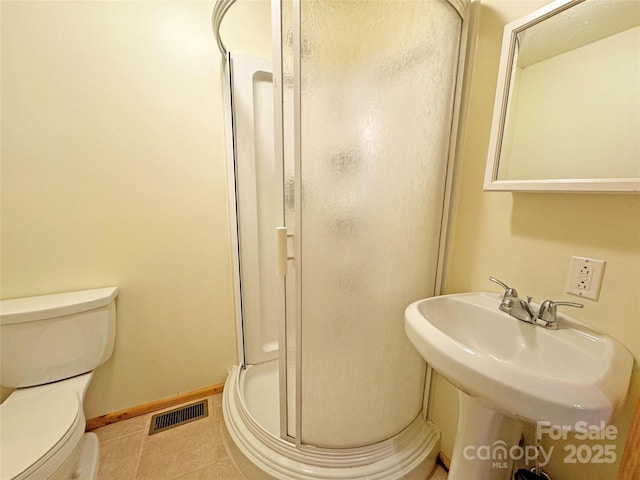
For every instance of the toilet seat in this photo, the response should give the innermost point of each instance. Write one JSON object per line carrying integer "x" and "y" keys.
{"x": 34, "y": 427}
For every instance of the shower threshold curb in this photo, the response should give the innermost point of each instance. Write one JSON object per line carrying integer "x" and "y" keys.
{"x": 410, "y": 454}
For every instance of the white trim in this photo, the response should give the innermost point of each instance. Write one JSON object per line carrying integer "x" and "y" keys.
{"x": 576, "y": 185}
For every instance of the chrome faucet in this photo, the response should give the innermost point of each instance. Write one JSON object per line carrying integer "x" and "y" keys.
{"x": 548, "y": 311}
{"x": 513, "y": 305}
{"x": 523, "y": 310}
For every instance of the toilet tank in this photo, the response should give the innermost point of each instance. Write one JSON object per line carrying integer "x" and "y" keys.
{"x": 52, "y": 337}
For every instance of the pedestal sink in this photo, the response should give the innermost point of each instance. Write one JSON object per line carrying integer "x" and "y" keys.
{"x": 510, "y": 371}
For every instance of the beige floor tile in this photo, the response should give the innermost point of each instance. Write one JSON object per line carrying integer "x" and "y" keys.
{"x": 438, "y": 474}
{"x": 223, "y": 469}
{"x": 194, "y": 451}
{"x": 210, "y": 472}
{"x": 181, "y": 450}
{"x": 125, "y": 427}
{"x": 119, "y": 457}
{"x": 124, "y": 469}
{"x": 227, "y": 470}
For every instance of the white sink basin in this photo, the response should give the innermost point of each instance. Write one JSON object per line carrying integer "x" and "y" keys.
{"x": 573, "y": 374}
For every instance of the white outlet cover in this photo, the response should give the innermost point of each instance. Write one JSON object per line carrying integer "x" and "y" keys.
{"x": 592, "y": 280}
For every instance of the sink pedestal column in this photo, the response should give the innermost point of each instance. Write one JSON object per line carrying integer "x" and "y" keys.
{"x": 483, "y": 441}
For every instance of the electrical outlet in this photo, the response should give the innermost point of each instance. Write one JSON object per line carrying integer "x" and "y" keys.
{"x": 582, "y": 280}
{"x": 585, "y": 277}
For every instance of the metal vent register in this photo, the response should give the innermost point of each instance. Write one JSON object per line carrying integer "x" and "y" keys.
{"x": 179, "y": 416}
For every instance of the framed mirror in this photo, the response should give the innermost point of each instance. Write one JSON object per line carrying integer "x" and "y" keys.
{"x": 567, "y": 108}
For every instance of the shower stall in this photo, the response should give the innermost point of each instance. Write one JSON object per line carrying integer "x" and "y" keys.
{"x": 340, "y": 156}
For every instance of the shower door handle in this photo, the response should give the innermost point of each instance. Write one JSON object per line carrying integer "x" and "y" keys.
{"x": 281, "y": 251}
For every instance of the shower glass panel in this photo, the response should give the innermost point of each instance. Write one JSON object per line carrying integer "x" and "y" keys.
{"x": 376, "y": 91}
{"x": 328, "y": 384}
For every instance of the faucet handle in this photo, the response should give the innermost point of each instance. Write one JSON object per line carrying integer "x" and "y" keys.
{"x": 548, "y": 309}
{"x": 508, "y": 291}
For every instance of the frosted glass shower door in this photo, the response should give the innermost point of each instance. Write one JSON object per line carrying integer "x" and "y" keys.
{"x": 259, "y": 206}
{"x": 377, "y": 82}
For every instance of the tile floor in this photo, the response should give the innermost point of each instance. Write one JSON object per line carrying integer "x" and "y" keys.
{"x": 194, "y": 451}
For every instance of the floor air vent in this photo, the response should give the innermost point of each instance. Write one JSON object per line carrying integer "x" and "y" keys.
{"x": 179, "y": 416}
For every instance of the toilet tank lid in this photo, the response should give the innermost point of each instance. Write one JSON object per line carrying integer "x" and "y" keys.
{"x": 17, "y": 310}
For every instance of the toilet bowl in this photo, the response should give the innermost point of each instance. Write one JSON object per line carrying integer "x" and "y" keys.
{"x": 50, "y": 346}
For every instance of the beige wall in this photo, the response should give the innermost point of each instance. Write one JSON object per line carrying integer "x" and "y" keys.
{"x": 579, "y": 136}
{"x": 527, "y": 240}
{"x": 114, "y": 173}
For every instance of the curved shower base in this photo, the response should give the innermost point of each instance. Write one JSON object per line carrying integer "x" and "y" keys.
{"x": 411, "y": 454}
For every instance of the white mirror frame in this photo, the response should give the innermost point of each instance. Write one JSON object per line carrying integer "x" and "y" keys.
{"x": 491, "y": 182}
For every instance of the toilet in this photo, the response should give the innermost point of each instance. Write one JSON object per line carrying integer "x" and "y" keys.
{"x": 49, "y": 347}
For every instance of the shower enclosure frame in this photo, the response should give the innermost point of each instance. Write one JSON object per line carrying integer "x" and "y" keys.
{"x": 466, "y": 12}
